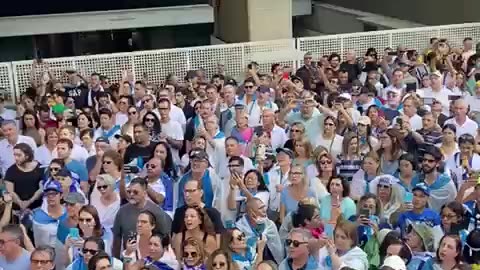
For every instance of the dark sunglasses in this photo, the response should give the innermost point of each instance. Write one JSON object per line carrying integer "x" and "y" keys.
{"x": 91, "y": 251}
{"x": 190, "y": 254}
{"x": 220, "y": 264}
{"x": 241, "y": 236}
{"x": 102, "y": 187}
{"x": 54, "y": 169}
{"x": 132, "y": 113}
{"x": 153, "y": 166}
{"x": 40, "y": 262}
{"x": 296, "y": 130}
{"x": 134, "y": 192}
{"x": 248, "y": 87}
{"x": 295, "y": 243}
{"x": 107, "y": 162}
{"x": 149, "y": 120}
{"x": 329, "y": 124}
{"x": 87, "y": 220}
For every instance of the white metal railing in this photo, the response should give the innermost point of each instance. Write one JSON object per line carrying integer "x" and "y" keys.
{"x": 156, "y": 64}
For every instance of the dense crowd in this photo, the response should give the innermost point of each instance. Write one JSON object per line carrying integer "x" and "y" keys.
{"x": 349, "y": 162}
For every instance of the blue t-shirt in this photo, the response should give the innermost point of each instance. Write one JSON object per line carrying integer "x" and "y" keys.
{"x": 78, "y": 168}
{"x": 290, "y": 203}
{"x": 22, "y": 262}
{"x": 428, "y": 217}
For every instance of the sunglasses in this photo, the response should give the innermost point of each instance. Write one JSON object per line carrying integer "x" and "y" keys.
{"x": 107, "y": 162}
{"x": 153, "y": 166}
{"x": 40, "y": 262}
{"x": 87, "y": 220}
{"x": 132, "y": 113}
{"x": 190, "y": 254}
{"x": 220, "y": 264}
{"x": 54, "y": 169}
{"x": 102, "y": 187}
{"x": 248, "y": 87}
{"x": 329, "y": 124}
{"x": 149, "y": 120}
{"x": 241, "y": 237}
{"x": 132, "y": 192}
{"x": 294, "y": 243}
{"x": 296, "y": 130}
{"x": 91, "y": 251}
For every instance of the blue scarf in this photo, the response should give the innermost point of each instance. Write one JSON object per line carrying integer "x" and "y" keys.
{"x": 111, "y": 132}
{"x": 167, "y": 183}
{"x": 206, "y": 186}
{"x": 158, "y": 265}
{"x": 219, "y": 135}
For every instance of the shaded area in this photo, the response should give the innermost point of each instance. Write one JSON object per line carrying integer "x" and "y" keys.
{"x": 28, "y": 7}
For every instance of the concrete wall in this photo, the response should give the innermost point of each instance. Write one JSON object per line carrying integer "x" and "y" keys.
{"x": 330, "y": 21}
{"x": 429, "y": 12}
{"x": 231, "y": 19}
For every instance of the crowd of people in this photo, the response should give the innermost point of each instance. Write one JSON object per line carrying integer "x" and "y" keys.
{"x": 368, "y": 162}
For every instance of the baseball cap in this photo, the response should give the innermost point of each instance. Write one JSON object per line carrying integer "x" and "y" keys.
{"x": 425, "y": 233}
{"x": 231, "y": 81}
{"x": 385, "y": 180}
{"x": 436, "y": 73}
{"x": 103, "y": 139}
{"x": 53, "y": 185}
{"x": 422, "y": 187}
{"x": 394, "y": 262}
{"x": 125, "y": 137}
{"x": 364, "y": 120}
{"x": 198, "y": 153}
{"x": 345, "y": 96}
{"x": 285, "y": 151}
{"x": 74, "y": 198}
{"x": 295, "y": 78}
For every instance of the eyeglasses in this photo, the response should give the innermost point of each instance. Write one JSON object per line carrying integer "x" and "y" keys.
{"x": 220, "y": 264}
{"x": 54, "y": 169}
{"x": 190, "y": 254}
{"x": 91, "y": 251}
{"x": 102, "y": 187}
{"x": 324, "y": 162}
{"x": 248, "y": 86}
{"x": 294, "y": 243}
{"x": 132, "y": 113}
{"x": 87, "y": 220}
{"x": 233, "y": 165}
{"x": 149, "y": 120}
{"x": 107, "y": 162}
{"x": 163, "y": 109}
{"x": 296, "y": 173}
{"x": 153, "y": 166}
{"x": 296, "y": 130}
{"x": 40, "y": 262}
{"x": 383, "y": 186}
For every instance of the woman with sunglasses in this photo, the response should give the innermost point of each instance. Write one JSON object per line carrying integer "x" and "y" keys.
{"x": 326, "y": 170}
{"x": 389, "y": 194}
{"x": 91, "y": 247}
{"x": 243, "y": 255}
{"x": 293, "y": 193}
{"x": 159, "y": 256}
{"x": 127, "y": 128}
{"x": 88, "y": 226}
{"x": 220, "y": 260}
{"x": 112, "y": 165}
{"x": 151, "y": 121}
{"x": 297, "y": 131}
{"x": 198, "y": 225}
{"x": 329, "y": 138}
{"x": 108, "y": 202}
{"x": 193, "y": 256}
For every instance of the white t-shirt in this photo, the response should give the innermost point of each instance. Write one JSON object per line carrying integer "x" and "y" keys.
{"x": 441, "y": 96}
{"x": 121, "y": 118}
{"x": 43, "y": 156}
{"x": 255, "y": 112}
{"x": 6, "y": 149}
{"x": 173, "y": 129}
{"x": 334, "y": 147}
{"x": 469, "y": 127}
{"x": 415, "y": 122}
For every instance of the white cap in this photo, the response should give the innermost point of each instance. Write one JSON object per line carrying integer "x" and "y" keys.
{"x": 346, "y": 96}
{"x": 395, "y": 262}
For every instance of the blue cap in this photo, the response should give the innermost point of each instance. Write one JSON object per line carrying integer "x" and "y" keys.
{"x": 422, "y": 187}
{"x": 53, "y": 185}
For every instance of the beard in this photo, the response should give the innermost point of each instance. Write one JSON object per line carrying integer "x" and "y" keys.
{"x": 427, "y": 170}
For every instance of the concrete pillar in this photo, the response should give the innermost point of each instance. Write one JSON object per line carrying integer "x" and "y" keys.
{"x": 252, "y": 20}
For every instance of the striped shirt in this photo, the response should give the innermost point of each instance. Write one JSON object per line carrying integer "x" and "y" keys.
{"x": 347, "y": 168}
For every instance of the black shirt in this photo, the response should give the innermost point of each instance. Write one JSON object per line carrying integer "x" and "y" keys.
{"x": 352, "y": 69}
{"x": 79, "y": 95}
{"x": 25, "y": 183}
{"x": 212, "y": 213}
{"x": 135, "y": 150}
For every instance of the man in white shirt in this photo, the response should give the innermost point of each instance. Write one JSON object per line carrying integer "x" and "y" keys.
{"x": 107, "y": 129}
{"x": 277, "y": 135}
{"x": 232, "y": 149}
{"x": 176, "y": 113}
{"x": 464, "y": 124}
{"x": 79, "y": 153}
{"x": 410, "y": 111}
{"x": 397, "y": 83}
{"x": 10, "y": 131}
{"x": 172, "y": 131}
{"x": 255, "y": 108}
{"x": 438, "y": 92}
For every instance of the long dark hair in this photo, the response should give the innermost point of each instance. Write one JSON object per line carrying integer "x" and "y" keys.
{"x": 156, "y": 123}
{"x": 168, "y": 165}
{"x": 98, "y": 230}
{"x": 261, "y": 181}
{"x": 32, "y": 113}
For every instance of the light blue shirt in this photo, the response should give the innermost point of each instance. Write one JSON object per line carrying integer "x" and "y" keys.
{"x": 290, "y": 203}
{"x": 313, "y": 125}
{"x": 21, "y": 263}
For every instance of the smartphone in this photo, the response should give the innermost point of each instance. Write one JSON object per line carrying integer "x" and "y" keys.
{"x": 132, "y": 237}
{"x": 130, "y": 169}
{"x": 74, "y": 233}
{"x": 400, "y": 121}
{"x": 364, "y": 212}
{"x": 408, "y": 197}
{"x": 453, "y": 98}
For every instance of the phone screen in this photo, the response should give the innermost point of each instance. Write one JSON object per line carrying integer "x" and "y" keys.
{"x": 408, "y": 197}
{"x": 74, "y": 233}
{"x": 364, "y": 212}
